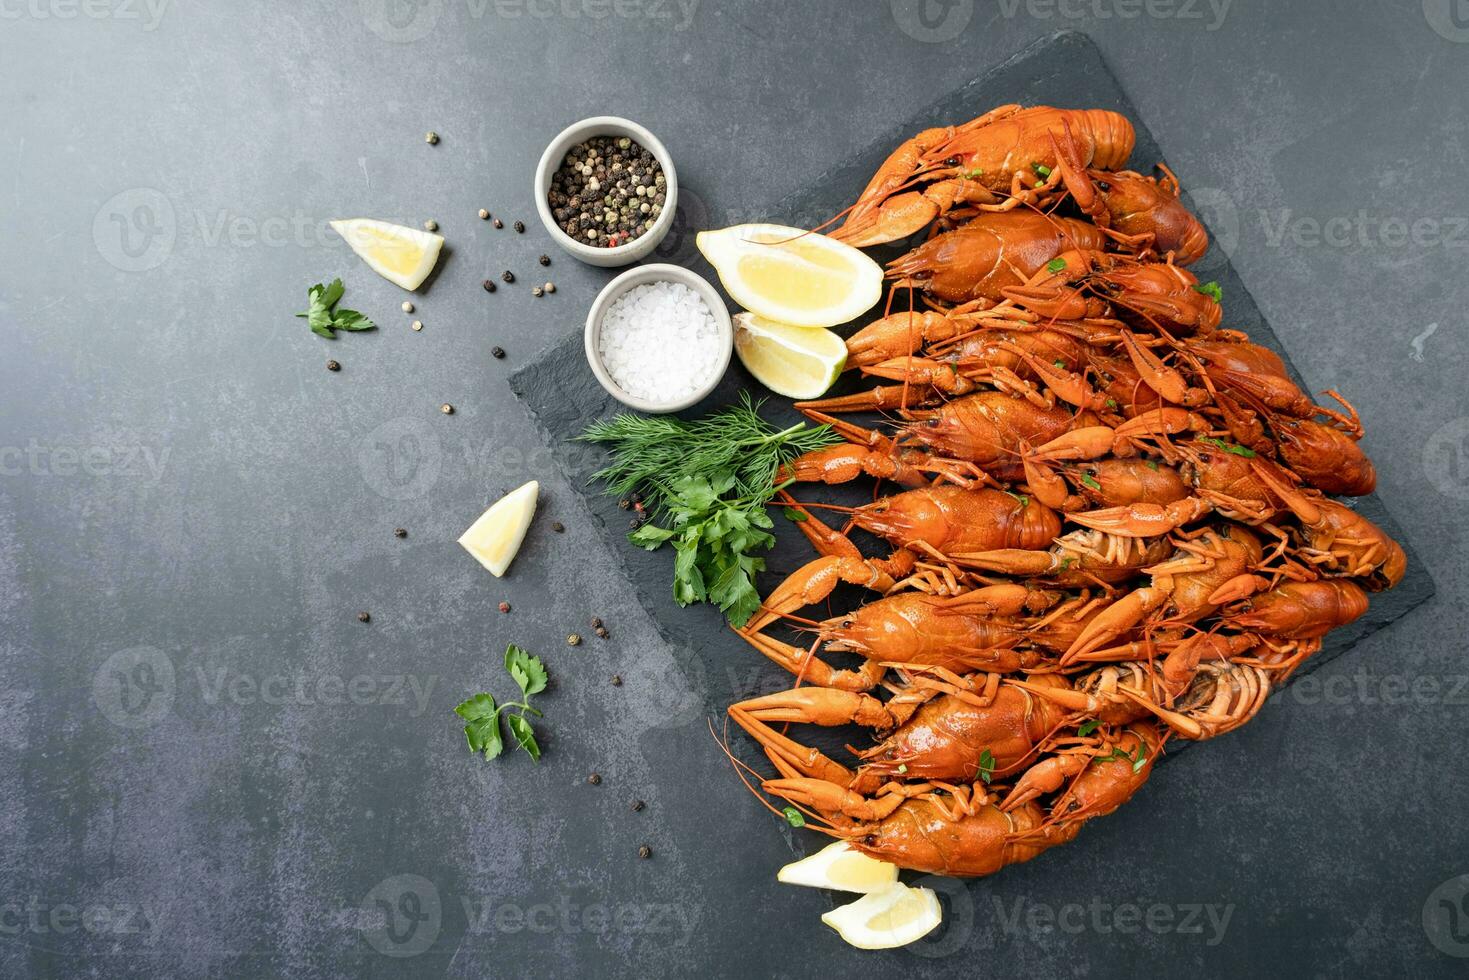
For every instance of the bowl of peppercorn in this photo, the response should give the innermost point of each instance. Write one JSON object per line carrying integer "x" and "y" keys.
{"x": 606, "y": 190}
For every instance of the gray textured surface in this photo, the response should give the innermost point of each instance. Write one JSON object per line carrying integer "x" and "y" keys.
{"x": 184, "y": 488}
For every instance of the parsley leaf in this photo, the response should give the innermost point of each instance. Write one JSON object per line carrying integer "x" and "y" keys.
{"x": 525, "y": 735}
{"x": 1091, "y": 481}
{"x": 528, "y": 671}
{"x": 1211, "y": 290}
{"x": 794, "y": 817}
{"x": 1055, "y": 265}
{"x": 1229, "y": 447}
{"x": 483, "y": 730}
{"x": 323, "y": 319}
{"x": 482, "y": 717}
{"x": 1041, "y": 170}
{"x": 1088, "y": 726}
{"x": 986, "y": 765}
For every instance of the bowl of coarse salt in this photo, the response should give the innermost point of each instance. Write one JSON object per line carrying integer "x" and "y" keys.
{"x": 659, "y": 338}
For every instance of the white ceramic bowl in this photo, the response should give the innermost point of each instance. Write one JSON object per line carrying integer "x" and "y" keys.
{"x": 551, "y": 162}
{"x": 637, "y": 277}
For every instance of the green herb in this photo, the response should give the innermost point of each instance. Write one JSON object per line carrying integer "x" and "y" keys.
{"x": 1020, "y": 499}
{"x": 986, "y": 765}
{"x": 1066, "y": 563}
{"x": 1211, "y": 290}
{"x": 705, "y": 485}
{"x": 795, "y": 516}
{"x": 1090, "y": 481}
{"x": 1055, "y": 265}
{"x": 974, "y": 174}
{"x": 1112, "y": 403}
{"x": 1119, "y": 755}
{"x": 1151, "y": 465}
{"x": 482, "y": 717}
{"x": 1229, "y": 447}
{"x": 1088, "y": 726}
{"x": 324, "y": 320}
{"x": 902, "y": 768}
{"x": 1059, "y": 364}
{"x": 794, "y": 817}
{"x": 1041, "y": 170}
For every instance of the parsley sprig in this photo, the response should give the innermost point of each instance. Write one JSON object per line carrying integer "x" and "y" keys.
{"x": 324, "y": 319}
{"x": 482, "y": 716}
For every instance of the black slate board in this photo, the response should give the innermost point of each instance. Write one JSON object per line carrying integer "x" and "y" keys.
{"x": 560, "y": 392}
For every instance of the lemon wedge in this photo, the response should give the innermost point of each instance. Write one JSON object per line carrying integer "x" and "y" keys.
{"x": 495, "y": 538}
{"x": 840, "y": 867}
{"x": 404, "y": 256}
{"x": 792, "y": 276}
{"x": 798, "y": 362}
{"x": 895, "y": 916}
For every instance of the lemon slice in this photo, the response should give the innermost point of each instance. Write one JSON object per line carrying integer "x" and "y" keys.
{"x": 798, "y": 362}
{"x": 495, "y": 538}
{"x": 400, "y": 255}
{"x": 793, "y": 276}
{"x": 839, "y": 867}
{"x": 895, "y": 916}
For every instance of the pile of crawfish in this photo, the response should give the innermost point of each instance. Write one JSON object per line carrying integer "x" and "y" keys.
{"x": 1116, "y": 528}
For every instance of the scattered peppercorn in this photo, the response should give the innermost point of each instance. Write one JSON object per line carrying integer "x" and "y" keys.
{"x": 574, "y": 640}
{"x": 544, "y": 260}
{"x": 364, "y": 617}
{"x": 431, "y": 138}
{"x": 520, "y": 227}
{"x": 484, "y": 215}
{"x": 616, "y": 680}
{"x": 446, "y": 408}
{"x": 417, "y": 324}
{"x": 498, "y": 352}
{"x": 549, "y": 287}
{"x": 601, "y": 632}
{"x": 431, "y": 225}
{"x": 333, "y": 366}
{"x": 499, "y": 223}
{"x": 504, "y": 607}
{"x": 645, "y": 852}
{"x": 596, "y": 621}
{"x": 489, "y": 285}
{"x": 407, "y": 307}
{"x": 536, "y": 291}
{"x": 635, "y": 523}
{"x": 637, "y": 805}
{"x": 508, "y": 276}
{"x": 624, "y": 503}
{"x": 558, "y": 527}
{"x": 595, "y": 779}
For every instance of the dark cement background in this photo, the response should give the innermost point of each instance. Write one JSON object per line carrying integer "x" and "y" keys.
{"x": 210, "y": 768}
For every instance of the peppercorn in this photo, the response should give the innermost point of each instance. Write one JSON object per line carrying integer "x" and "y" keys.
{"x": 645, "y": 852}
{"x": 431, "y": 225}
{"x": 431, "y": 138}
{"x": 483, "y": 214}
{"x": 558, "y": 527}
{"x": 635, "y": 523}
{"x": 549, "y": 287}
{"x": 407, "y": 307}
{"x": 446, "y": 408}
{"x": 616, "y": 680}
{"x": 544, "y": 260}
{"x": 497, "y": 352}
{"x": 400, "y": 532}
{"x": 333, "y": 366}
{"x": 489, "y": 285}
{"x": 536, "y": 291}
{"x": 595, "y": 779}
{"x": 508, "y": 276}
{"x": 417, "y": 324}
{"x": 499, "y": 224}
{"x": 574, "y": 640}
{"x": 504, "y": 607}
{"x": 520, "y": 227}
{"x": 364, "y": 617}
{"x": 596, "y": 621}
{"x": 601, "y": 632}
{"x": 624, "y": 503}
{"x": 637, "y": 805}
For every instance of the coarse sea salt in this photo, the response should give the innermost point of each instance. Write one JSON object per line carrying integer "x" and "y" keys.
{"x": 659, "y": 342}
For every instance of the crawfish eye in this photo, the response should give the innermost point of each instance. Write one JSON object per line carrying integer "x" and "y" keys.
{"x": 1103, "y": 186}
{"x": 1203, "y": 457}
{"x": 952, "y": 162}
{"x": 933, "y": 423}
{"x": 847, "y": 624}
